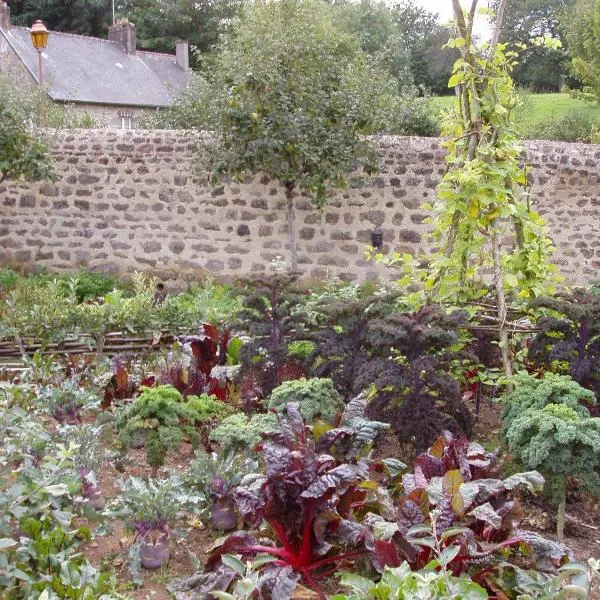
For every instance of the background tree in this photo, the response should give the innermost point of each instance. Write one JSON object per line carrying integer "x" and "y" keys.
{"x": 291, "y": 111}
{"x": 23, "y": 152}
{"x": 539, "y": 68}
{"x": 88, "y": 17}
{"x": 582, "y": 30}
{"x": 425, "y": 38}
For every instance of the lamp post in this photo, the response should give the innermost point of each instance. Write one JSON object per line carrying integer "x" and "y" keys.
{"x": 39, "y": 39}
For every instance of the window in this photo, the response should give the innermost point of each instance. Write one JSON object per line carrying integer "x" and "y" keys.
{"x": 125, "y": 122}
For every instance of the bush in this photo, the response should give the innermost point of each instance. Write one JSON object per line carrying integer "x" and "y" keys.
{"x": 317, "y": 398}
{"x": 575, "y": 125}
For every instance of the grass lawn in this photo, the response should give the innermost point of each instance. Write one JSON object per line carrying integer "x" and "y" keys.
{"x": 539, "y": 107}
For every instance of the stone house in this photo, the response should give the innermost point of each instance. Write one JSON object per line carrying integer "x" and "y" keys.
{"x": 109, "y": 80}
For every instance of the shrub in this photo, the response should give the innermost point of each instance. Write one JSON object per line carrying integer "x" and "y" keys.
{"x": 160, "y": 419}
{"x": 238, "y": 432}
{"x": 573, "y": 126}
{"x": 546, "y": 428}
{"x": 317, "y": 398}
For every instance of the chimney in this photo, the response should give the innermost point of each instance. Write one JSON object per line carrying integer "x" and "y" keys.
{"x": 123, "y": 32}
{"x": 4, "y": 16}
{"x": 182, "y": 55}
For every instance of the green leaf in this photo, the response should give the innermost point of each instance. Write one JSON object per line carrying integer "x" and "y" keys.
{"x": 7, "y": 544}
{"x": 234, "y": 564}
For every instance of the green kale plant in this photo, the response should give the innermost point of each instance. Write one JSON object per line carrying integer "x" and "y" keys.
{"x": 238, "y": 432}
{"x": 317, "y": 398}
{"x": 160, "y": 419}
{"x": 550, "y": 431}
{"x": 208, "y": 412}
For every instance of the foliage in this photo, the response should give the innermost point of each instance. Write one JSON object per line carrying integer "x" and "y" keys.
{"x": 215, "y": 476}
{"x": 341, "y": 343}
{"x": 208, "y": 409}
{"x": 39, "y": 543}
{"x": 159, "y": 418}
{"x": 569, "y": 340}
{"x": 555, "y": 434}
{"x": 408, "y": 375}
{"x": 582, "y": 30}
{"x": 66, "y": 399}
{"x": 238, "y": 432}
{"x": 197, "y": 364}
{"x": 23, "y": 152}
{"x": 161, "y": 25}
{"x": 575, "y": 125}
{"x": 290, "y": 110}
{"x": 317, "y": 398}
{"x": 425, "y": 39}
{"x": 267, "y": 318}
{"x": 456, "y": 478}
{"x": 402, "y": 582}
{"x": 535, "y": 393}
{"x": 539, "y": 69}
{"x": 308, "y": 499}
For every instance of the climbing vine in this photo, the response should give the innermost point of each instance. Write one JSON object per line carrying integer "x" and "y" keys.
{"x": 489, "y": 240}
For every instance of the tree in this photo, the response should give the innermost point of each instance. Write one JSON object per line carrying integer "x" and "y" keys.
{"x": 582, "y": 28}
{"x": 23, "y": 152}
{"x": 539, "y": 68}
{"x": 87, "y": 17}
{"x": 161, "y": 23}
{"x": 290, "y": 111}
{"x": 425, "y": 38}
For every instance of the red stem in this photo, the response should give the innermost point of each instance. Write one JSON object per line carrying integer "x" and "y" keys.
{"x": 280, "y": 531}
{"x": 305, "y": 550}
{"x": 335, "y": 559}
{"x": 281, "y": 552}
{"x": 313, "y": 584}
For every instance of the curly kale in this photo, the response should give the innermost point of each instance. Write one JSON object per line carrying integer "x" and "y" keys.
{"x": 238, "y": 432}
{"x": 569, "y": 340}
{"x": 551, "y": 432}
{"x": 342, "y": 346}
{"x": 532, "y": 393}
{"x": 408, "y": 376}
{"x": 159, "y": 419}
{"x": 317, "y": 398}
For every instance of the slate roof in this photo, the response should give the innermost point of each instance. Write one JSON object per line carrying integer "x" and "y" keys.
{"x": 84, "y": 69}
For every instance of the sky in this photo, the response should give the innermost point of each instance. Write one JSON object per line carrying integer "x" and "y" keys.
{"x": 444, "y": 9}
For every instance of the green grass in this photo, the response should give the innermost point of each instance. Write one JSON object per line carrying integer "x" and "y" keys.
{"x": 538, "y": 108}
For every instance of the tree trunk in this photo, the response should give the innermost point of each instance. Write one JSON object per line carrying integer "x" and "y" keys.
{"x": 562, "y": 507}
{"x": 289, "y": 191}
{"x": 501, "y": 300}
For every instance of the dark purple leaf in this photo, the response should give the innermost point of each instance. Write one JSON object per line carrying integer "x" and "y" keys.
{"x": 201, "y": 584}
{"x": 409, "y": 514}
{"x": 236, "y": 543}
{"x": 335, "y": 479}
{"x": 430, "y": 465}
{"x": 385, "y": 554}
{"x": 251, "y": 505}
{"x": 278, "y": 583}
{"x": 351, "y": 532}
{"x": 333, "y": 437}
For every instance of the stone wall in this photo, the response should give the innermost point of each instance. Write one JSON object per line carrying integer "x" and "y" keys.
{"x": 137, "y": 200}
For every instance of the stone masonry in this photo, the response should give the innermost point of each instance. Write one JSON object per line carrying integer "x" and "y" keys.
{"x": 138, "y": 200}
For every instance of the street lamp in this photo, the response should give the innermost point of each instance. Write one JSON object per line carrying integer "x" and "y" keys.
{"x": 39, "y": 39}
